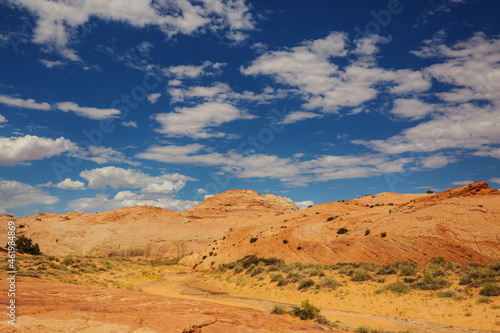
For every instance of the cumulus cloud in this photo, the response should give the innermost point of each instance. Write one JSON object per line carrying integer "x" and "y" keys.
{"x": 312, "y": 68}
{"x": 192, "y": 71}
{"x": 412, "y": 109}
{"x": 103, "y": 155}
{"x": 88, "y": 112}
{"x": 289, "y": 170}
{"x": 129, "y": 124}
{"x": 103, "y": 203}
{"x": 296, "y": 116}
{"x": 15, "y": 194}
{"x": 52, "y": 64}
{"x": 57, "y": 22}
{"x": 495, "y": 180}
{"x": 2, "y": 120}
{"x": 156, "y": 191}
{"x": 19, "y": 149}
{"x": 130, "y": 178}
{"x": 24, "y": 103}
{"x": 196, "y": 121}
{"x": 153, "y": 98}
{"x": 66, "y": 184}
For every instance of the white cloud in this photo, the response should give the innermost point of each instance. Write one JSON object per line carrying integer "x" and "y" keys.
{"x": 15, "y": 194}
{"x": 129, "y": 178}
{"x": 52, "y": 64}
{"x": 221, "y": 93}
{"x": 129, "y": 124}
{"x": 57, "y": 23}
{"x": 412, "y": 109}
{"x": 2, "y": 119}
{"x": 102, "y": 202}
{"x": 19, "y": 149}
{"x": 471, "y": 66}
{"x": 488, "y": 152}
{"x": 24, "y": 103}
{"x": 156, "y": 191}
{"x": 196, "y": 121}
{"x": 192, "y": 71}
{"x": 288, "y": 170}
{"x": 465, "y": 126}
{"x": 323, "y": 84}
{"x": 153, "y": 98}
{"x": 301, "y": 204}
{"x": 67, "y": 184}
{"x": 201, "y": 191}
{"x": 296, "y": 116}
{"x": 495, "y": 180}
{"x": 103, "y": 155}
{"x": 88, "y": 112}
{"x": 462, "y": 182}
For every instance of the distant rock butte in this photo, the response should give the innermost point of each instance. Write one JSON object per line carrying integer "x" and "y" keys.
{"x": 460, "y": 224}
{"x": 242, "y": 202}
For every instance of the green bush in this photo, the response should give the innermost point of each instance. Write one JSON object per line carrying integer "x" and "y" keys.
{"x": 428, "y": 282}
{"x": 407, "y": 269}
{"x": 328, "y": 282}
{"x": 490, "y": 289}
{"x": 397, "y": 288}
{"x": 307, "y": 311}
{"x": 305, "y": 284}
{"x": 447, "y": 294}
{"x": 278, "y": 309}
{"x": 360, "y": 274}
{"x": 25, "y": 245}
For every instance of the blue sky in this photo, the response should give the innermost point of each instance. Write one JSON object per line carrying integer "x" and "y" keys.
{"x": 108, "y": 104}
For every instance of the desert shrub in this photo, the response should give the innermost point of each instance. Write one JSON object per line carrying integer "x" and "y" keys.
{"x": 407, "y": 269}
{"x": 476, "y": 276}
{"x": 397, "y": 288}
{"x": 386, "y": 270}
{"x": 495, "y": 267}
{"x": 305, "y": 284}
{"x": 346, "y": 269}
{"x": 68, "y": 260}
{"x": 314, "y": 271}
{"x": 320, "y": 319}
{"x": 253, "y": 239}
{"x": 238, "y": 269}
{"x": 383, "y": 234}
{"x": 428, "y": 282}
{"x": 447, "y": 294}
{"x": 211, "y": 253}
{"x": 285, "y": 241}
{"x": 490, "y": 289}
{"x": 307, "y": 311}
{"x": 241, "y": 281}
{"x": 360, "y": 274}
{"x": 328, "y": 282}
{"x": 342, "y": 231}
{"x": 295, "y": 276}
{"x": 362, "y": 329}
{"x": 430, "y": 192}
{"x": 276, "y": 277}
{"x": 331, "y": 218}
{"x": 483, "y": 300}
{"x": 367, "y": 232}
{"x": 25, "y": 245}
{"x": 278, "y": 309}
{"x": 299, "y": 248}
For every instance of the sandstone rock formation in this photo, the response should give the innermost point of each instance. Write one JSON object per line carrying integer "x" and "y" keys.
{"x": 48, "y": 306}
